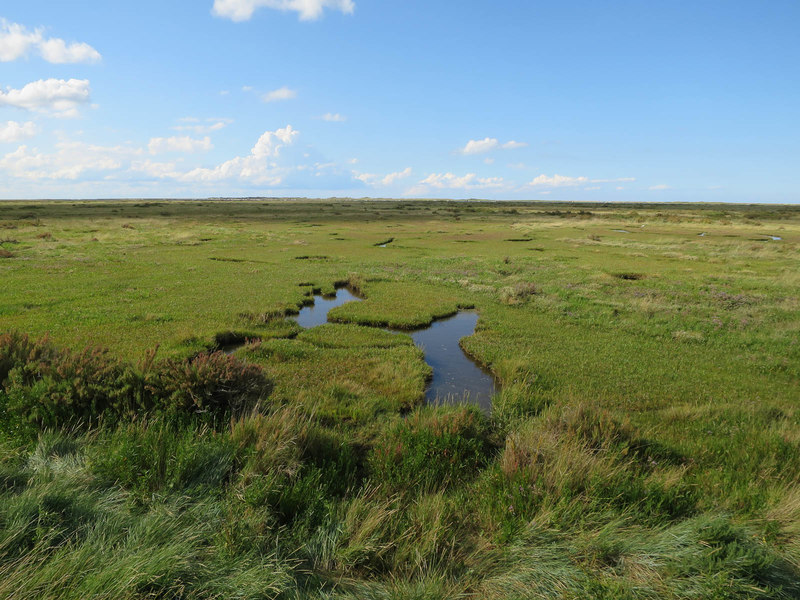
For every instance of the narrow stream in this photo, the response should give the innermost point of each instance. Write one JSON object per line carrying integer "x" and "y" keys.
{"x": 456, "y": 377}
{"x": 315, "y": 314}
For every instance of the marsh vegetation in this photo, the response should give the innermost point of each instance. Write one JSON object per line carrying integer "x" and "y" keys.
{"x": 643, "y": 441}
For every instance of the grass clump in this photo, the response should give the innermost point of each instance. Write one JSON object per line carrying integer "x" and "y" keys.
{"x": 518, "y": 293}
{"x": 578, "y": 456}
{"x": 431, "y": 449}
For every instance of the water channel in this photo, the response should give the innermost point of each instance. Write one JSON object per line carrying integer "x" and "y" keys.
{"x": 456, "y": 377}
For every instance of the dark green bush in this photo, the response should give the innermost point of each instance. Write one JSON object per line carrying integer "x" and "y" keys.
{"x": 18, "y": 349}
{"x": 215, "y": 383}
{"x": 51, "y": 387}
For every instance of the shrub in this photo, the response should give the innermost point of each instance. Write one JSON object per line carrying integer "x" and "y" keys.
{"x": 215, "y": 383}
{"x": 52, "y": 387}
{"x": 48, "y": 386}
{"x": 18, "y": 349}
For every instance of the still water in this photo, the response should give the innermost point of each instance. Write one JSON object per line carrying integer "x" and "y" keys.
{"x": 456, "y": 377}
{"x": 317, "y": 313}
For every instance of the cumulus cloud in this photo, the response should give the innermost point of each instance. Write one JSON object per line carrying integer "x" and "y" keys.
{"x": 308, "y": 10}
{"x": 57, "y": 97}
{"x": 488, "y": 144}
{"x": 257, "y": 167}
{"x": 372, "y": 179}
{"x": 160, "y": 145}
{"x": 158, "y": 170}
{"x": 449, "y": 181}
{"x": 57, "y": 51}
{"x": 17, "y": 41}
{"x": 660, "y": 187}
{"x": 392, "y": 177}
{"x": 480, "y": 146}
{"x": 333, "y": 117}
{"x": 283, "y": 93}
{"x": 69, "y": 161}
{"x": 557, "y": 181}
{"x": 470, "y": 180}
{"x": 12, "y": 131}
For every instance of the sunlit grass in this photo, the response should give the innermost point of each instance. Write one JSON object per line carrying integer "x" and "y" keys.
{"x": 643, "y": 443}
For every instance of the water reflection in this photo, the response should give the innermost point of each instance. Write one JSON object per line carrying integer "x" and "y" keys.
{"x": 456, "y": 377}
{"x": 317, "y": 313}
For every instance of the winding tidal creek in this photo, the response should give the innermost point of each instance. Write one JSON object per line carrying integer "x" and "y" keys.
{"x": 456, "y": 377}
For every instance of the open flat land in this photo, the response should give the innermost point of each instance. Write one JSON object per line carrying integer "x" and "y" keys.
{"x": 644, "y": 441}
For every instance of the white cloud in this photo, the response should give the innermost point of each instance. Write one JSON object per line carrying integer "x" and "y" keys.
{"x": 372, "y": 179}
{"x": 159, "y": 170}
{"x": 57, "y": 97}
{"x": 660, "y": 187}
{"x": 242, "y": 10}
{"x": 12, "y": 131}
{"x": 488, "y": 144}
{"x": 57, "y": 51}
{"x": 480, "y": 146}
{"x": 258, "y": 167}
{"x": 201, "y": 127}
{"x": 16, "y": 41}
{"x": 618, "y": 179}
{"x": 283, "y": 93}
{"x": 160, "y": 145}
{"x": 392, "y": 177}
{"x": 557, "y": 181}
{"x": 69, "y": 161}
{"x": 466, "y": 182}
{"x": 247, "y": 88}
{"x": 488, "y": 161}
{"x": 333, "y": 117}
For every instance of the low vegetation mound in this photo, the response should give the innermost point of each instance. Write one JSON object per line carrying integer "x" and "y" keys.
{"x": 332, "y": 335}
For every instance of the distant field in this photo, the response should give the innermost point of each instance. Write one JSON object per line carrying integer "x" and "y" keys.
{"x": 645, "y": 442}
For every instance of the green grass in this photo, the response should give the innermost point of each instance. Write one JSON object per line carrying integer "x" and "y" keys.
{"x": 644, "y": 442}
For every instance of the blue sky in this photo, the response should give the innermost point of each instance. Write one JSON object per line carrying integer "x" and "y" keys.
{"x": 570, "y": 100}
